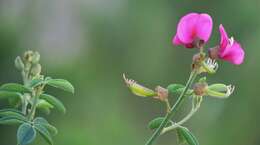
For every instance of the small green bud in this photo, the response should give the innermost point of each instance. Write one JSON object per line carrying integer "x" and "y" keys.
{"x": 220, "y": 90}
{"x": 36, "y": 57}
{"x": 19, "y": 63}
{"x": 137, "y": 89}
{"x": 36, "y": 70}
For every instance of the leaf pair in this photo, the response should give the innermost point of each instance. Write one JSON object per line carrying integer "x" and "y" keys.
{"x": 11, "y": 116}
{"x": 57, "y": 83}
{"x": 183, "y": 134}
{"x": 27, "y": 132}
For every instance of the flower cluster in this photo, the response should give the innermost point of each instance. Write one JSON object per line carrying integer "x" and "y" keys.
{"x": 193, "y": 31}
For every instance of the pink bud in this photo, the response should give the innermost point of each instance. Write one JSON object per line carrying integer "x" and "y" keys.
{"x": 229, "y": 49}
{"x": 192, "y": 28}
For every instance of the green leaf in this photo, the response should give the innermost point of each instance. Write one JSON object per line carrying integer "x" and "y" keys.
{"x": 180, "y": 137}
{"x": 12, "y": 113}
{"x": 178, "y": 89}
{"x": 25, "y": 134}
{"x": 44, "y": 133}
{"x": 155, "y": 123}
{"x": 54, "y": 101}
{"x": 187, "y": 135}
{"x": 44, "y": 104}
{"x": 14, "y": 102}
{"x": 175, "y": 88}
{"x": 8, "y": 94}
{"x": 61, "y": 84}
{"x": 14, "y": 87}
{"x": 44, "y": 122}
{"x": 10, "y": 121}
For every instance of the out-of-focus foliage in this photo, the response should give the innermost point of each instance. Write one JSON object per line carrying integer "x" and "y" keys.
{"x": 92, "y": 42}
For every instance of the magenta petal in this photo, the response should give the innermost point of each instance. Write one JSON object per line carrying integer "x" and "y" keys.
{"x": 176, "y": 40}
{"x": 233, "y": 54}
{"x": 186, "y": 30}
{"x": 223, "y": 37}
{"x": 204, "y": 27}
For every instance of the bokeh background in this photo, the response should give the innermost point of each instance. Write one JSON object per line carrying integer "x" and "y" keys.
{"x": 92, "y": 42}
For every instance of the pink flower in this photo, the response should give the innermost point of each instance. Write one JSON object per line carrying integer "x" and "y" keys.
{"x": 229, "y": 49}
{"x": 193, "y": 28}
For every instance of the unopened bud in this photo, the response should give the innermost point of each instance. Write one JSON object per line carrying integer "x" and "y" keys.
{"x": 197, "y": 59}
{"x": 36, "y": 57}
{"x": 19, "y": 63}
{"x": 28, "y": 56}
{"x": 162, "y": 93}
{"x": 137, "y": 89}
{"x": 200, "y": 89}
{"x": 213, "y": 52}
{"x": 36, "y": 70}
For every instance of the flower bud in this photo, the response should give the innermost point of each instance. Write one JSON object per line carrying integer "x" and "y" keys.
{"x": 19, "y": 63}
{"x": 137, "y": 89}
{"x": 162, "y": 93}
{"x": 200, "y": 89}
{"x": 28, "y": 56}
{"x": 36, "y": 57}
{"x": 196, "y": 60}
{"x": 213, "y": 52}
{"x": 220, "y": 90}
{"x": 36, "y": 70}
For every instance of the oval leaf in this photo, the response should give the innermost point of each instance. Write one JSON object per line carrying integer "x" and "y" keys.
{"x": 175, "y": 88}
{"x": 10, "y": 121}
{"x": 54, "y": 101}
{"x": 180, "y": 137}
{"x": 14, "y": 87}
{"x": 155, "y": 123}
{"x": 12, "y": 113}
{"x": 189, "y": 137}
{"x": 25, "y": 134}
{"x": 61, "y": 84}
{"x": 8, "y": 94}
{"x": 44, "y": 122}
{"x": 44, "y": 133}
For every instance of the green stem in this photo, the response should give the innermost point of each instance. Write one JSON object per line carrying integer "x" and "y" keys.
{"x": 35, "y": 96}
{"x": 169, "y": 115}
{"x": 24, "y": 101}
{"x": 176, "y": 125}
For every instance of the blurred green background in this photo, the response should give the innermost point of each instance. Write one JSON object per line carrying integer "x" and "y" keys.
{"x": 92, "y": 42}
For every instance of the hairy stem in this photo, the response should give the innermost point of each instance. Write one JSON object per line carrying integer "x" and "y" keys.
{"x": 169, "y": 115}
{"x": 35, "y": 96}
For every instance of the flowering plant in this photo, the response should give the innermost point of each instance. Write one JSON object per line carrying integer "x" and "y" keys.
{"x": 193, "y": 31}
{"x": 25, "y": 99}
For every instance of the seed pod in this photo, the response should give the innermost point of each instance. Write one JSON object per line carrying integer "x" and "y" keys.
{"x": 138, "y": 89}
